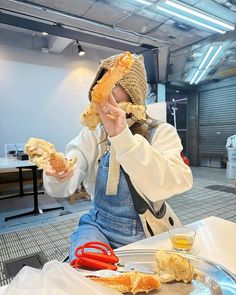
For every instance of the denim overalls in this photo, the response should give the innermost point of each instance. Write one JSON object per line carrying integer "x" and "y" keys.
{"x": 112, "y": 219}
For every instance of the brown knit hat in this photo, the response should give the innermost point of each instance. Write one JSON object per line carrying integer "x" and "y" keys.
{"x": 134, "y": 83}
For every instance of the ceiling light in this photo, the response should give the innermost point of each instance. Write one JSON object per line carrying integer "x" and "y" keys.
{"x": 194, "y": 77}
{"x": 200, "y": 77}
{"x": 189, "y": 19}
{"x": 209, "y": 57}
{"x": 81, "y": 52}
{"x": 200, "y": 14}
{"x": 44, "y": 33}
{"x": 214, "y": 56}
{"x": 206, "y": 57}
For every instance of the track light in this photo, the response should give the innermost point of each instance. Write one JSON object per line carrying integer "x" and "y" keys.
{"x": 81, "y": 52}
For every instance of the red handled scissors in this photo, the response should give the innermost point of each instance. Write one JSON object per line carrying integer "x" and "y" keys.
{"x": 95, "y": 260}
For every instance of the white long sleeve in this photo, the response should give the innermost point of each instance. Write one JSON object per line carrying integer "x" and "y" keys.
{"x": 86, "y": 148}
{"x": 157, "y": 171}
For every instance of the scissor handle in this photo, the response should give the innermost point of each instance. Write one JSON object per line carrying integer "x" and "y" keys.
{"x": 94, "y": 245}
{"x": 101, "y": 257}
{"x": 94, "y": 260}
{"x": 95, "y": 264}
{"x": 97, "y": 244}
{"x": 82, "y": 252}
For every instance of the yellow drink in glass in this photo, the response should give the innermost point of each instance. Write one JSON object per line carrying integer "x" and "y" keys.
{"x": 182, "y": 238}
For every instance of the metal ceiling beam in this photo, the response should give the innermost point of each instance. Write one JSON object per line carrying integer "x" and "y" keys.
{"x": 59, "y": 30}
{"x": 48, "y": 15}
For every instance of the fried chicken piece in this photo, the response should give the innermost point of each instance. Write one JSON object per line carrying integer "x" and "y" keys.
{"x": 133, "y": 282}
{"x": 173, "y": 267}
{"x": 42, "y": 152}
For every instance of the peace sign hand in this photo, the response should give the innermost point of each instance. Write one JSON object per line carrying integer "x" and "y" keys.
{"x": 112, "y": 116}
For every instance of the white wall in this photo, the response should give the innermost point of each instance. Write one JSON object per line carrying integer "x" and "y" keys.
{"x": 42, "y": 95}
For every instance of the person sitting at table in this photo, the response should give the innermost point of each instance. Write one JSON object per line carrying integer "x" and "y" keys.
{"x": 148, "y": 152}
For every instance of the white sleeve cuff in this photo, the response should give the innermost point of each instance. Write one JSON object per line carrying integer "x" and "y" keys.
{"x": 123, "y": 142}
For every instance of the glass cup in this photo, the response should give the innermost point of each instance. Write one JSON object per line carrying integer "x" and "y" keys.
{"x": 182, "y": 238}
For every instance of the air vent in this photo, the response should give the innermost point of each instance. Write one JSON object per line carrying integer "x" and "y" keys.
{"x": 182, "y": 27}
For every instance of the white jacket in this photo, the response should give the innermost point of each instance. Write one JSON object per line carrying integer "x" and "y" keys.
{"x": 157, "y": 170}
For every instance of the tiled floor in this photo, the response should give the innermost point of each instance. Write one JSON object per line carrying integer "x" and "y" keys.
{"x": 212, "y": 194}
{"x": 14, "y": 206}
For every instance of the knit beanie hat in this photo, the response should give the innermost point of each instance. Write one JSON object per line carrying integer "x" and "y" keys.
{"x": 134, "y": 83}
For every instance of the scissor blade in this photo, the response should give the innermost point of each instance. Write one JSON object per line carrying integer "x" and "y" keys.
{"x": 135, "y": 267}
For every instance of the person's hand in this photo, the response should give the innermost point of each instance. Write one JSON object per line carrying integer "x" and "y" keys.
{"x": 112, "y": 116}
{"x": 62, "y": 176}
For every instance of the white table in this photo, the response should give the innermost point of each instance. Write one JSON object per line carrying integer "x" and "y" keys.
{"x": 11, "y": 164}
{"x": 215, "y": 240}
